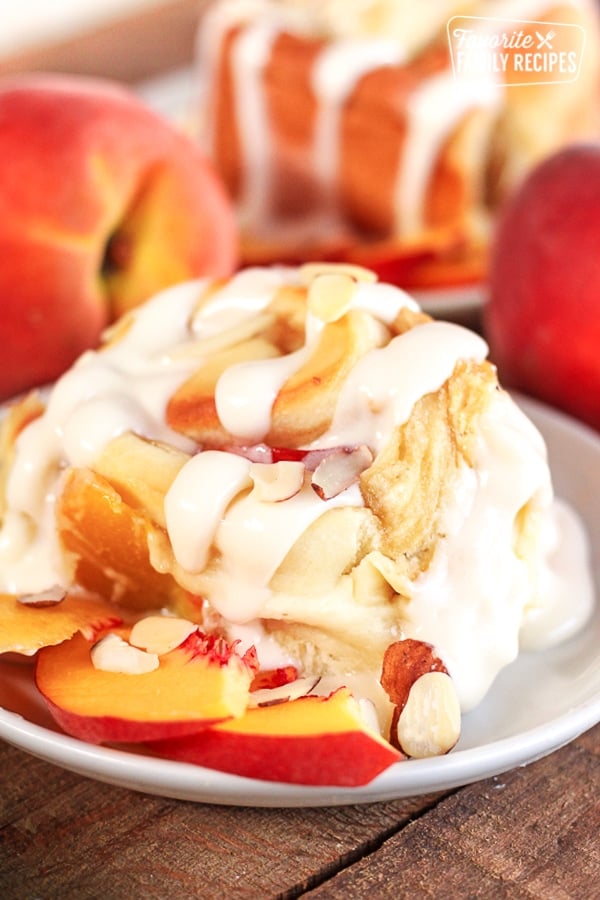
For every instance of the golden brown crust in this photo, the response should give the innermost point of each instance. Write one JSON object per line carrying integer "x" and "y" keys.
{"x": 192, "y": 409}
{"x": 304, "y": 406}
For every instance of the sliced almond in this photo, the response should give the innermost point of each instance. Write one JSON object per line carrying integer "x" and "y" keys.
{"x": 291, "y": 691}
{"x": 405, "y": 661}
{"x": 274, "y": 482}
{"x": 113, "y": 654}
{"x": 42, "y": 599}
{"x": 339, "y": 470}
{"x": 309, "y": 271}
{"x": 429, "y": 724}
{"x": 160, "y": 634}
{"x": 330, "y": 296}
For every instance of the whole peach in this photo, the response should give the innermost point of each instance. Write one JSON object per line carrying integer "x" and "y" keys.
{"x": 543, "y": 315}
{"x": 102, "y": 204}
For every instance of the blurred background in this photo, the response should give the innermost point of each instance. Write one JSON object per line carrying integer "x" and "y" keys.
{"x": 126, "y": 39}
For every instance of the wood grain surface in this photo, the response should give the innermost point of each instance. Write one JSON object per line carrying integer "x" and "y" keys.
{"x": 531, "y": 833}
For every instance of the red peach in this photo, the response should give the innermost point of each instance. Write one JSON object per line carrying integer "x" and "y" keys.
{"x": 102, "y": 204}
{"x": 543, "y": 315}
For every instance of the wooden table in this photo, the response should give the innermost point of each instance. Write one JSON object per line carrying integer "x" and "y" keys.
{"x": 532, "y": 832}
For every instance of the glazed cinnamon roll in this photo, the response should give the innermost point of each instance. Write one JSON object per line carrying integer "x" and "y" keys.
{"x": 301, "y": 460}
{"x": 343, "y": 129}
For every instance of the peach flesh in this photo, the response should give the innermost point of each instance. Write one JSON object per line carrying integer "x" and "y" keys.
{"x": 311, "y": 741}
{"x": 189, "y": 691}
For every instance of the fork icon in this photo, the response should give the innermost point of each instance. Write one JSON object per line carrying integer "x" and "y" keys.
{"x": 545, "y": 41}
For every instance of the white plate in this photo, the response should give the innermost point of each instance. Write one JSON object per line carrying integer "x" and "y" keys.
{"x": 456, "y": 304}
{"x": 537, "y": 705}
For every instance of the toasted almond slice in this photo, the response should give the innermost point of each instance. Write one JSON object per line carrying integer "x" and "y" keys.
{"x": 160, "y": 634}
{"x": 339, "y": 470}
{"x": 113, "y": 654}
{"x": 330, "y": 296}
{"x": 403, "y": 662}
{"x": 291, "y": 691}
{"x": 43, "y": 599}
{"x": 429, "y": 724}
{"x": 274, "y": 482}
{"x": 309, "y": 271}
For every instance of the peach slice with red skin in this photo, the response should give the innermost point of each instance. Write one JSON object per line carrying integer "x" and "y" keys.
{"x": 312, "y": 741}
{"x": 201, "y": 682}
{"x": 266, "y": 679}
{"x": 26, "y": 628}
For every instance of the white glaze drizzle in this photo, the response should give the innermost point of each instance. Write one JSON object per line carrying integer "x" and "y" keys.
{"x": 240, "y": 299}
{"x": 254, "y": 539}
{"x": 216, "y": 21}
{"x": 196, "y": 502}
{"x": 245, "y": 393}
{"x": 336, "y": 72}
{"x": 470, "y": 601}
{"x": 124, "y": 387}
{"x": 547, "y": 619}
{"x": 251, "y": 53}
{"x": 371, "y": 404}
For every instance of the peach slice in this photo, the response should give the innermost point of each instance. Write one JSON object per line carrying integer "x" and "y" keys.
{"x": 108, "y": 539}
{"x": 312, "y": 741}
{"x": 26, "y": 627}
{"x": 201, "y": 682}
